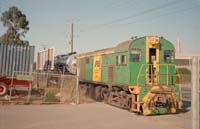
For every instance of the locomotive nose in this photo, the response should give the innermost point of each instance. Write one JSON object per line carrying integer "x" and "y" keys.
{"x": 159, "y": 104}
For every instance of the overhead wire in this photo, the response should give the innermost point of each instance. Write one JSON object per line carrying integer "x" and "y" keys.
{"x": 121, "y": 3}
{"x": 109, "y": 6}
{"x": 169, "y": 12}
{"x": 155, "y": 17}
{"x": 115, "y": 3}
{"x": 127, "y": 4}
{"x": 166, "y": 14}
{"x": 165, "y": 5}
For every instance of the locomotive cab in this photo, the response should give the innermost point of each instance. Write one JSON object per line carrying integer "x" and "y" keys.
{"x": 155, "y": 91}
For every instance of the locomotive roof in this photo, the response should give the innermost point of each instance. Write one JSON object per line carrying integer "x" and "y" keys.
{"x": 97, "y": 52}
{"x": 125, "y": 45}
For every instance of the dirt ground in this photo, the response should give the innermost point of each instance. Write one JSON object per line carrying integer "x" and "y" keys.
{"x": 86, "y": 116}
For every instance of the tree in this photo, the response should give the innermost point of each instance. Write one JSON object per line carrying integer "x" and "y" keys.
{"x": 17, "y": 25}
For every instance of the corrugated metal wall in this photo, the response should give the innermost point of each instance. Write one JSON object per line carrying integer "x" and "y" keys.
{"x": 15, "y": 58}
{"x": 45, "y": 59}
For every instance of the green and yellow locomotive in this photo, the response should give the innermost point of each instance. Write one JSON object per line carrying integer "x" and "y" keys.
{"x": 138, "y": 75}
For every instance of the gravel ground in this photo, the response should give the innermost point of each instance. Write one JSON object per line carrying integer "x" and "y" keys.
{"x": 86, "y": 116}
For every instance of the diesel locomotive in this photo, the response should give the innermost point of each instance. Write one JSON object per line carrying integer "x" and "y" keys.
{"x": 137, "y": 75}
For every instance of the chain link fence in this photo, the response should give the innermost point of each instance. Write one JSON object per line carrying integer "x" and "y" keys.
{"x": 44, "y": 88}
{"x": 188, "y": 79}
{"x": 185, "y": 82}
{"x": 55, "y": 88}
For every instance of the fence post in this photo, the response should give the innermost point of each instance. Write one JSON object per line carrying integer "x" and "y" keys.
{"x": 45, "y": 88}
{"x": 29, "y": 87}
{"x": 77, "y": 87}
{"x": 11, "y": 88}
{"x": 195, "y": 93}
{"x": 61, "y": 86}
{"x": 29, "y": 91}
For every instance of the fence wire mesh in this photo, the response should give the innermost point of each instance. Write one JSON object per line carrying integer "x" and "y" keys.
{"x": 189, "y": 83}
{"x": 44, "y": 88}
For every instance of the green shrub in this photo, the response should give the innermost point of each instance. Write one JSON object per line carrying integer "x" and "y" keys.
{"x": 183, "y": 71}
{"x": 27, "y": 101}
{"x": 51, "y": 97}
{"x": 184, "y": 76}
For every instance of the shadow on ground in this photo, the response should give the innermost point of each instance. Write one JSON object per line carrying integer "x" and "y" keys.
{"x": 185, "y": 108}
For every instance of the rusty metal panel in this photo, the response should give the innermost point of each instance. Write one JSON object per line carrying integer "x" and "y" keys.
{"x": 15, "y": 58}
{"x": 110, "y": 73}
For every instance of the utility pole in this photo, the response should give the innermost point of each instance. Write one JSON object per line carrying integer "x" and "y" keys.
{"x": 71, "y": 41}
{"x": 72, "y": 37}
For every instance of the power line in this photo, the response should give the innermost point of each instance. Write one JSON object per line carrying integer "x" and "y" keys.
{"x": 166, "y": 14}
{"x": 115, "y": 3}
{"x": 135, "y": 15}
{"x": 119, "y": 3}
{"x": 162, "y": 15}
{"x": 111, "y": 6}
{"x": 129, "y": 3}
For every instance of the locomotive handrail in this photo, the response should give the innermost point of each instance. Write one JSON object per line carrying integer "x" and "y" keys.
{"x": 140, "y": 72}
{"x": 157, "y": 74}
{"x": 169, "y": 75}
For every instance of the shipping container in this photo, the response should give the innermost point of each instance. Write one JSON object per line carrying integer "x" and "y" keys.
{"x": 19, "y": 58}
{"x": 14, "y": 59}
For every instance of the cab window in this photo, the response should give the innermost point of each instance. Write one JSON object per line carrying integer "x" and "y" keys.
{"x": 135, "y": 55}
{"x": 123, "y": 58}
{"x": 118, "y": 60}
{"x": 169, "y": 56}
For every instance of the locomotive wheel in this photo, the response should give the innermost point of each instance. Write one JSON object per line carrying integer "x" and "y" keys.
{"x": 3, "y": 89}
{"x": 129, "y": 104}
{"x": 104, "y": 93}
{"x": 91, "y": 91}
{"x": 98, "y": 93}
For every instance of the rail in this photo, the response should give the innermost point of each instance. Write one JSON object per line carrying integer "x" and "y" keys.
{"x": 155, "y": 75}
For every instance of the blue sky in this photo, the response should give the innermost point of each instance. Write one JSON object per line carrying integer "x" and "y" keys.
{"x": 101, "y": 24}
